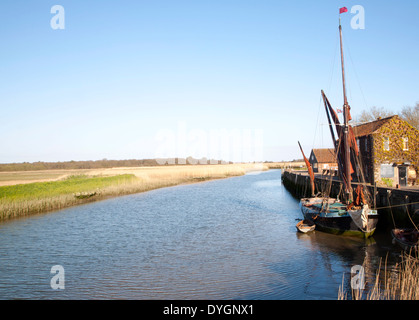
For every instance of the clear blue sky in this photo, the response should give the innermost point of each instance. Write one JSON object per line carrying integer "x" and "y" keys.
{"x": 125, "y": 75}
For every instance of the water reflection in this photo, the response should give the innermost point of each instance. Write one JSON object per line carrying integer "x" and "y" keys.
{"x": 224, "y": 239}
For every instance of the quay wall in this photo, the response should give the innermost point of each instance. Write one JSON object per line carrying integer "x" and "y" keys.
{"x": 396, "y": 207}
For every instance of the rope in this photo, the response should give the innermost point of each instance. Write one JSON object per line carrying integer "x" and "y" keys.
{"x": 388, "y": 198}
{"x": 411, "y": 220}
{"x": 340, "y": 191}
{"x": 398, "y": 205}
{"x": 355, "y": 72}
{"x": 317, "y": 122}
{"x": 407, "y": 211}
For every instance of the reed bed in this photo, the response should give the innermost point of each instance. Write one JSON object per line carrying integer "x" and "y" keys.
{"x": 32, "y": 198}
{"x": 401, "y": 283}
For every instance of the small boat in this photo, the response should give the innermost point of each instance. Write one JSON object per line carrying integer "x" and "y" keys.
{"x": 305, "y": 226}
{"x": 406, "y": 238}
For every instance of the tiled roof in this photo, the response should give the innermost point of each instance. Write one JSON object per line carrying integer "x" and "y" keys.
{"x": 370, "y": 127}
{"x": 325, "y": 155}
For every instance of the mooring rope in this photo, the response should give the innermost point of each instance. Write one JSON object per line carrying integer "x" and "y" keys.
{"x": 411, "y": 220}
{"x": 388, "y": 198}
{"x": 398, "y": 205}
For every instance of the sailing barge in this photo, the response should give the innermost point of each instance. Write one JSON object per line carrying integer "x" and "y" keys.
{"x": 333, "y": 216}
{"x": 349, "y": 216}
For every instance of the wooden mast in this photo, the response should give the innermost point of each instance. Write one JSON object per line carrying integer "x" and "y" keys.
{"x": 347, "y": 155}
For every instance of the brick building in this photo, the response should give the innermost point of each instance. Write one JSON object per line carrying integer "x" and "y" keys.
{"x": 389, "y": 150}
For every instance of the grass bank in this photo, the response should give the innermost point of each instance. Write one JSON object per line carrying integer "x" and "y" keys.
{"x": 19, "y": 200}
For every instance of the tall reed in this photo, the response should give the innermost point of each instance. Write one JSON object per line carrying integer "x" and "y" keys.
{"x": 401, "y": 283}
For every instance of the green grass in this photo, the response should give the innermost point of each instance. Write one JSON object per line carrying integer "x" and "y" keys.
{"x": 25, "y": 199}
{"x": 71, "y": 185}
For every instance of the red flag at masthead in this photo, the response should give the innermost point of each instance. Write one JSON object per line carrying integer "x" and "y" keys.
{"x": 343, "y": 10}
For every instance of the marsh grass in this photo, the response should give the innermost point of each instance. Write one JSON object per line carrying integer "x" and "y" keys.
{"x": 23, "y": 199}
{"x": 31, "y": 198}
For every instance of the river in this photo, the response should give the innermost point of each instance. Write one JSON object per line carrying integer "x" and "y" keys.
{"x": 223, "y": 239}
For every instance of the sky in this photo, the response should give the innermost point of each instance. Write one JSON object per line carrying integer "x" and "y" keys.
{"x": 238, "y": 80}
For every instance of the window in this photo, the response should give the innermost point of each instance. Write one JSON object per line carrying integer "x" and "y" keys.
{"x": 387, "y": 171}
{"x": 386, "y": 144}
{"x": 405, "y": 144}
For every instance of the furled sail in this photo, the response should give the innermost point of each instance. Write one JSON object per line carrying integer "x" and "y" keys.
{"x": 310, "y": 170}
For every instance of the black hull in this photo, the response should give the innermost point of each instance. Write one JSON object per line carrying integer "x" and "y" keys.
{"x": 345, "y": 226}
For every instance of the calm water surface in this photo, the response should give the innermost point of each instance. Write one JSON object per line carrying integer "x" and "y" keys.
{"x": 223, "y": 239}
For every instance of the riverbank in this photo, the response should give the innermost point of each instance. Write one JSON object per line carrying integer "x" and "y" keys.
{"x": 57, "y": 190}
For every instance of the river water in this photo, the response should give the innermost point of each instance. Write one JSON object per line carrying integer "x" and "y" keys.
{"x": 224, "y": 239}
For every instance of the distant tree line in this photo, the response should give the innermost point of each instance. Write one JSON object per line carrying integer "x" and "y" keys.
{"x": 104, "y": 163}
{"x": 408, "y": 114}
